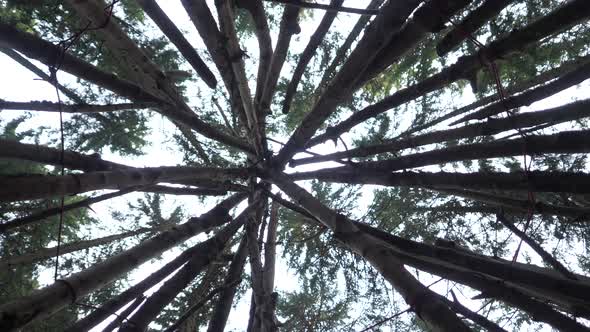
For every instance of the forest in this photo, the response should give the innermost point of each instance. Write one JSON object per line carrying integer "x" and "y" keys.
{"x": 294, "y": 165}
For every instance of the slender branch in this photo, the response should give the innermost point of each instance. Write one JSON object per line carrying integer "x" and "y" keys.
{"x": 574, "y": 77}
{"x": 43, "y": 215}
{"x": 480, "y": 320}
{"x": 46, "y": 253}
{"x": 547, "y": 258}
{"x": 511, "y": 90}
{"x": 40, "y": 73}
{"x": 120, "y": 318}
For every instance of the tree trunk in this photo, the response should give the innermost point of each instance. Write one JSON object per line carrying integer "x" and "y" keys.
{"x": 568, "y": 112}
{"x": 51, "y": 299}
{"x": 45, "y": 186}
{"x": 422, "y": 300}
{"x": 202, "y": 257}
{"x": 569, "y": 14}
{"x": 46, "y": 253}
{"x": 226, "y": 298}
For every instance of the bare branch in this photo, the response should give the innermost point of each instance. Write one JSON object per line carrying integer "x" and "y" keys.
{"x": 547, "y": 258}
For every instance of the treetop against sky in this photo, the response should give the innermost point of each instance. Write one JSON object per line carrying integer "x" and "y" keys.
{"x": 294, "y": 165}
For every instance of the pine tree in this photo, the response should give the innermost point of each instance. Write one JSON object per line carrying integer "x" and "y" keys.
{"x": 444, "y": 180}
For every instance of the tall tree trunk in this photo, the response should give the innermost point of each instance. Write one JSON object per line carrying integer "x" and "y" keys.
{"x": 45, "y": 186}
{"x": 52, "y": 298}
{"x": 536, "y": 181}
{"x": 224, "y": 302}
{"x": 568, "y": 112}
{"x": 567, "y": 15}
{"x": 67, "y": 248}
{"x": 207, "y": 251}
{"x": 422, "y": 300}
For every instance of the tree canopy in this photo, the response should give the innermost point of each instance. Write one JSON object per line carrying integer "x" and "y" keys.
{"x": 293, "y": 165}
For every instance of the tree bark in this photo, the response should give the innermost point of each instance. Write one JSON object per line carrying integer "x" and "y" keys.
{"x": 45, "y": 186}
{"x": 203, "y": 256}
{"x": 567, "y": 15}
{"x": 569, "y": 112}
{"x": 308, "y": 53}
{"x": 470, "y": 24}
{"x": 46, "y": 301}
{"x": 168, "y": 27}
